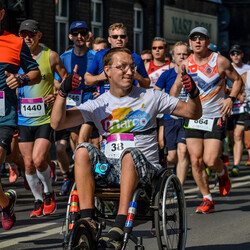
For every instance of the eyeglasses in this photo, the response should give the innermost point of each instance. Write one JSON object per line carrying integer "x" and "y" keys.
{"x": 235, "y": 53}
{"x": 124, "y": 67}
{"x": 159, "y": 48}
{"x": 116, "y": 36}
{"x": 201, "y": 38}
{"x": 81, "y": 32}
{"x": 146, "y": 60}
{"x": 23, "y": 34}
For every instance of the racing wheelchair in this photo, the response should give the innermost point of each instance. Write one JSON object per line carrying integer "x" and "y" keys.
{"x": 163, "y": 203}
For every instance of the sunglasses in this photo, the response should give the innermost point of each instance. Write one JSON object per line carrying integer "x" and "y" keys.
{"x": 146, "y": 60}
{"x": 159, "y": 48}
{"x": 201, "y": 38}
{"x": 29, "y": 34}
{"x": 81, "y": 32}
{"x": 235, "y": 53}
{"x": 116, "y": 36}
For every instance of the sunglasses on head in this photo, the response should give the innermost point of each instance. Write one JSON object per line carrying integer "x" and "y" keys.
{"x": 159, "y": 48}
{"x": 235, "y": 53}
{"x": 201, "y": 37}
{"x": 29, "y": 34}
{"x": 81, "y": 32}
{"x": 116, "y": 36}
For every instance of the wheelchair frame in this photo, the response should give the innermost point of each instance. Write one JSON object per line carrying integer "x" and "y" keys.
{"x": 167, "y": 211}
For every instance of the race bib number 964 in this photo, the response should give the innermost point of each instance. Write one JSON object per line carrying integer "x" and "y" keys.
{"x": 205, "y": 124}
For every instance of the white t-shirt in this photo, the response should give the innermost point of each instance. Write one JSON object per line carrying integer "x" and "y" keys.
{"x": 134, "y": 113}
{"x": 244, "y": 68}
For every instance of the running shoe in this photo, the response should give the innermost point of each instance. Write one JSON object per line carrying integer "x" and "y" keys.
{"x": 206, "y": 207}
{"x": 38, "y": 209}
{"x": 66, "y": 186}
{"x": 53, "y": 171}
{"x": 8, "y": 214}
{"x": 49, "y": 203}
{"x": 235, "y": 171}
{"x": 13, "y": 173}
{"x": 224, "y": 183}
{"x": 248, "y": 162}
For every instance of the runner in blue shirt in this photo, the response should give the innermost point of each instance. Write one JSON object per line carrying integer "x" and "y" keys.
{"x": 79, "y": 55}
{"x": 117, "y": 38}
{"x": 174, "y": 136}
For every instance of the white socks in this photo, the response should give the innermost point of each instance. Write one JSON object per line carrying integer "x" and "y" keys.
{"x": 46, "y": 180}
{"x": 208, "y": 196}
{"x": 35, "y": 186}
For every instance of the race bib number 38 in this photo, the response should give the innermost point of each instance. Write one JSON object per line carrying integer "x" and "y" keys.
{"x": 32, "y": 107}
{"x": 116, "y": 143}
{"x": 205, "y": 124}
{"x": 2, "y": 103}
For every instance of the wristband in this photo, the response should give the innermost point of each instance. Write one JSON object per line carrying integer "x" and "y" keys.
{"x": 232, "y": 98}
{"x": 194, "y": 94}
{"x": 62, "y": 94}
{"x": 24, "y": 80}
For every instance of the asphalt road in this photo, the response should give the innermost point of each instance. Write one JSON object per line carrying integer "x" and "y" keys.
{"x": 226, "y": 229}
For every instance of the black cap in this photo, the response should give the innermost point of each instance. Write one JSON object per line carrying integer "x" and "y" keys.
{"x": 236, "y": 48}
{"x": 29, "y": 25}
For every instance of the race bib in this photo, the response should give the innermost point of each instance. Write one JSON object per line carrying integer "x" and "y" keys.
{"x": 32, "y": 107}
{"x": 74, "y": 98}
{"x": 205, "y": 124}
{"x": 238, "y": 108}
{"x": 2, "y": 103}
{"x": 116, "y": 143}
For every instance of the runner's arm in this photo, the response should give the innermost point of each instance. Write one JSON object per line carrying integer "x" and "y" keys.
{"x": 62, "y": 118}
{"x": 143, "y": 82}
{"x": 91, "y": 80}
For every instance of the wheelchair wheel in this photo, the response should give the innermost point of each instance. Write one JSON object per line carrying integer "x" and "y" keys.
{"x": 81, "y": 237}
{"x": 170, "y": 215}
{"x": 82, "y": 240}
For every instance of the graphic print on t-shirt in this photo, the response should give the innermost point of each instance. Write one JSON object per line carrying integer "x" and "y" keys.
{"x": 123, "y": 120}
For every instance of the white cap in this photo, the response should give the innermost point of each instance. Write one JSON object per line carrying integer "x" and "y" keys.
{"x": 200, "y": 30}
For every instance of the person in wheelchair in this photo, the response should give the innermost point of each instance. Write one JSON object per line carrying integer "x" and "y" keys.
{"x": 126, "y": 118}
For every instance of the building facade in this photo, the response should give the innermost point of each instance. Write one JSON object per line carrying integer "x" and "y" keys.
{"x": 144, "y": 19}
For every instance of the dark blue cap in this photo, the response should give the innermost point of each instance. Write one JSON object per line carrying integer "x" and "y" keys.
{"x": 78, "y": 25}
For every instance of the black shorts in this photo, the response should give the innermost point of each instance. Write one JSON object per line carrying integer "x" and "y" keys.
{"x": 95, "y": 132}
{"x": 234, "y": 120}
{"x": 247, "y": 121}
{"x": 6, "y": 135}
{"x": 218, "y": 131}
{"x": 61, "y": 135}
{"x": 31, "y": 133}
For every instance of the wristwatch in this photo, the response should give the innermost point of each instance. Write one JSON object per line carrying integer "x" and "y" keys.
{"x": 232, "y": 98}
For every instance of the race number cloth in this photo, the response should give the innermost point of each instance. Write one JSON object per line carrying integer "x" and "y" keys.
{"x": 205, "y": 124}
{"x": 116, "y": 143}
{"x": 2, "y": 104}
{"x": 32, "y": 107}
{"x": 74, "y": 98}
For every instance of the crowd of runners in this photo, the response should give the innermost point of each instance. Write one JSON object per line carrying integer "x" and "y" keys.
{"x": 184, "y": 105}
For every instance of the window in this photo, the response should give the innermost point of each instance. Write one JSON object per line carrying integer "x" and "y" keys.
{"x": 62, "y": 25}
{"x": 97, "y": 17}
{"x": 138, "y": 28}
